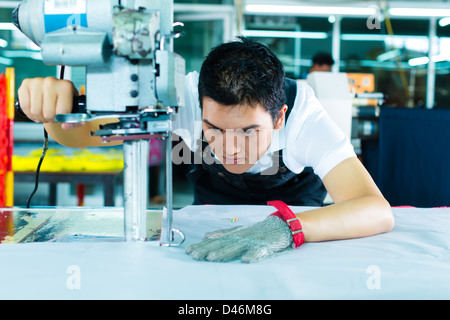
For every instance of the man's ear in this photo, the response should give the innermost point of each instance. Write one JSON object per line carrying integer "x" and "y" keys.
{"x": 280, "y": 121}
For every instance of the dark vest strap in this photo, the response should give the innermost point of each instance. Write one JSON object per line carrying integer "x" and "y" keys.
{"x": 291, "y": 94}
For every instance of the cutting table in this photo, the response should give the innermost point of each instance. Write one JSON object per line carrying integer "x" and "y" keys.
{"x": 55, "y": 253}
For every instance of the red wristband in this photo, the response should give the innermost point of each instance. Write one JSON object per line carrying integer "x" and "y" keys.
{"x": 286, "y": 214}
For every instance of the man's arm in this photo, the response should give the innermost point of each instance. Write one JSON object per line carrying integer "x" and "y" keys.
{"x": 359, "y": 208}
{"x": 41, "y": 99}
{"x": 78, "y": 136}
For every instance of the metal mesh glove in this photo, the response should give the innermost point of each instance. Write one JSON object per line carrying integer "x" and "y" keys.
{"x": 251, "y": 243}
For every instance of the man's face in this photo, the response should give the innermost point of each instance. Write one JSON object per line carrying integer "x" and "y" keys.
{"x": 321, "y": 68}
{"x": 238, "y": 135}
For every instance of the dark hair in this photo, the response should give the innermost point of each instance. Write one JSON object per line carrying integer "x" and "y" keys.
{"x": 243, "y": 72}
{"x": 323, "y": 58}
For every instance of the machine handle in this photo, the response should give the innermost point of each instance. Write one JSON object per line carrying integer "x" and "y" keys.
{"x": 79, "y": 106}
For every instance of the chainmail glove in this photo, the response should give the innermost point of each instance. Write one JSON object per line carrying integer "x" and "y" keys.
{"x": 251, "y": 243}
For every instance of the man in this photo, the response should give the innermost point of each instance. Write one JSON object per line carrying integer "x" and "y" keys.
{"x": 322, "y": 62}
{"x": 263, "y": 138}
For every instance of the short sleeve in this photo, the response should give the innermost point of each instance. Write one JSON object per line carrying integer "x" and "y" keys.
{"x": 312, "y": 137}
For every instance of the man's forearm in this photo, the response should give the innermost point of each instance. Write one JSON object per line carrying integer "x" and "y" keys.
{"x": 360, "y": 217}
{"x": 79, "y": 136}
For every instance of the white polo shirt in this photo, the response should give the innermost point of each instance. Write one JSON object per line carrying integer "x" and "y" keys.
{"x": 309, "y": 138}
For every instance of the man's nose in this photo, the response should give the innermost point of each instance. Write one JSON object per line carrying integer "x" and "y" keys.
{"x": 233, "y": 142}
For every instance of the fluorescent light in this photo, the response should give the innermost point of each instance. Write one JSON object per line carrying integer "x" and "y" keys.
{"x": 284, "y": 34}
{"x": 378, "y": 37}
{"x": 344, "y": 11}
{"x": 7, "y": 26}
{"x": 384, "y": 64}
{"x": 3, "y": 43}
{"x": 418, "y": 61}
{"x": 309, "y": 10}
{"x": 6, "y": 61}
{"x": 439, "y": 58}
{"x": 424, "y": 60}
{"x": 388, "y": 55}
{"x": 35, "y": 55}
{"x": 364, "y": 37}
{"x": 9, "y": 4}
{"x": 419, "y": 12}
{"x": 444, "y": 21}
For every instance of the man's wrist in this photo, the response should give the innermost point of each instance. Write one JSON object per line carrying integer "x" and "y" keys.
{"x": 294, "y": 224}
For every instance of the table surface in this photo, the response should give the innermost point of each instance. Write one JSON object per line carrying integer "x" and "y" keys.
{"x": 410, "y": 262}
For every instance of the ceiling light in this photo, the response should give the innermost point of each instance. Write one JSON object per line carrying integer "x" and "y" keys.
{"x": 364, "y": 37}
{"x": 309, "y": 10}
{"x": 439, "y": 58}
{"x": 344, "y": 11}
{"x": 418, "y": 61}
{"x": 22, "y": 54}
{"x": 419, "y": 12}
{"x": 388, "y": 55}
{"x": 424, "y": 60}
{"x": 444, "y": 22}
{"x": 7, "y": 26}
{"x": 6, "y": 61}
{"x": 284, "y": 34}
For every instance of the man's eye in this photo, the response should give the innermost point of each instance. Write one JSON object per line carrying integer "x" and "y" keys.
{"x": 250, "y": 132}
{"x": 215, "y": 130}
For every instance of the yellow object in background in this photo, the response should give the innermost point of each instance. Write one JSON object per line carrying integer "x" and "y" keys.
{"x": 361, "y": 82}
{"x": 80, "y": 161}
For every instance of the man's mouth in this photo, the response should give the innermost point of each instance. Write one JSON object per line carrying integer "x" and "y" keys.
{"x": 233, "y": 160}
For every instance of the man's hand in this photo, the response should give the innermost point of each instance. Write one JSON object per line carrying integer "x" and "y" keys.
{"x": 251, "y": 243}
{"x": 41, "y": 99}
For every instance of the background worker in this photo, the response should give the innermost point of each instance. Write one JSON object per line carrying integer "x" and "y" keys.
{"x": 322, "y": 62}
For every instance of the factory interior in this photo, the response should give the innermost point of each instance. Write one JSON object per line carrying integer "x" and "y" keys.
{"x": 71, "y": 211}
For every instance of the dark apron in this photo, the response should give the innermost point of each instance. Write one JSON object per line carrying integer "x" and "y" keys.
{"x": 213, "y": 184}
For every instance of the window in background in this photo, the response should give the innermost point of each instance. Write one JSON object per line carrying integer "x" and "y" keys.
{"x": 365, "y": 51}
{"x": 295, "y": 40}
{"x": 199, "y": 38}
{"x": 385, "y": 51}
{"x": 389, "y": 58}
{"x": 205, "y": 27}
